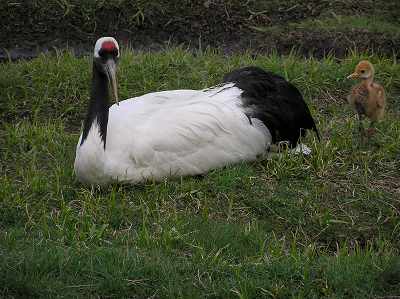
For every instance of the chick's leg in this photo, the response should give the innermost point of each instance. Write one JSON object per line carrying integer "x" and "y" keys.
{"x": 361, "y": 127}
{"x": 360, "y": 112}
{"x": 371, "y": 130}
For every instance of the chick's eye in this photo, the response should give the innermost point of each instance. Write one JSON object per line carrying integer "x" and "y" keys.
{"x": 363, "y": 71}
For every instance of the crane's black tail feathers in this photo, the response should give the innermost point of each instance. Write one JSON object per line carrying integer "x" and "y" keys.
{"x": 275, "y": 101}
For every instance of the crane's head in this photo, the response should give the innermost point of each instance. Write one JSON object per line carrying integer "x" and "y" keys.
{"x": 106, "y": 54}
{"x": 364, "y": 70}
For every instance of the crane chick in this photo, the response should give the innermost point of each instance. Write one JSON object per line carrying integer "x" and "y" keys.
{"x": 368, "y": 97}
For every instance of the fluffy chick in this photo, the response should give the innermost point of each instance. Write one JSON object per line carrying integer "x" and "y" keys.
{"x": 368, "y": 97}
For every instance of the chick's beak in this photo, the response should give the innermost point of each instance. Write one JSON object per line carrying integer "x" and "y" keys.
{"x": 353, "y": 76}
{"x": 111, "y": 71}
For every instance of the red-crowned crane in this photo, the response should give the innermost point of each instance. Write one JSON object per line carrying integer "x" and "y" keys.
{"x": 183, "y": 132}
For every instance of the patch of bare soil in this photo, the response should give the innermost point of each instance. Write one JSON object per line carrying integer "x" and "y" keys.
{"x": 31, "y": 27}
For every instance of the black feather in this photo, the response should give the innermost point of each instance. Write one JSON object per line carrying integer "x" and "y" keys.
{"x": 98, "y": 105}
{"x": 275, "y": 101}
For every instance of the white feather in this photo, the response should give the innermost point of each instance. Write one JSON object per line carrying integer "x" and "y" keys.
{"x": 301, "y": 149}
{"x": 171, "y": 133}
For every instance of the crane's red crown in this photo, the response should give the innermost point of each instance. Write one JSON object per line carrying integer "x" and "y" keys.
{"x": 108, "y": 46}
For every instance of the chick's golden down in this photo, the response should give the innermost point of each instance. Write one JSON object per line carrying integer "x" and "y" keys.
{"x": 368, "y": 97}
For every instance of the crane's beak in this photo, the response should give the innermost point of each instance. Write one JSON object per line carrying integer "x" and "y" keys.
{"x": 111, "y": 72}
{"x": 353, "y": 76}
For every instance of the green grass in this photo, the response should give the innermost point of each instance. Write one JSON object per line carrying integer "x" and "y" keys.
{"x": 348, "y": 23}
{"x": 285, "y": 227}
{"x": 338, "y": 23}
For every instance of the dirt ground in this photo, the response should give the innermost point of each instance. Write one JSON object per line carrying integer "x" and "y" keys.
{"x": 29, "y": 28}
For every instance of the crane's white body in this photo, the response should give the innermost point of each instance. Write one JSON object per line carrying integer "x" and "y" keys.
{"x": 171, "y": 133}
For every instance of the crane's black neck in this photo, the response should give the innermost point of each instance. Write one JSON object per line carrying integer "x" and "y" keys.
{"x": 98, "y": 105}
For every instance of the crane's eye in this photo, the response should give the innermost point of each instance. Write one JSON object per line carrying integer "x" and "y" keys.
{"x": 102, "y": 53}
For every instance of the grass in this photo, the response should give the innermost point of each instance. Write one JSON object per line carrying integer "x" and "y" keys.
{"x": 340, "y": 23}
{"x": 348, "y": 23}
{"x": 289, "y": 226}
